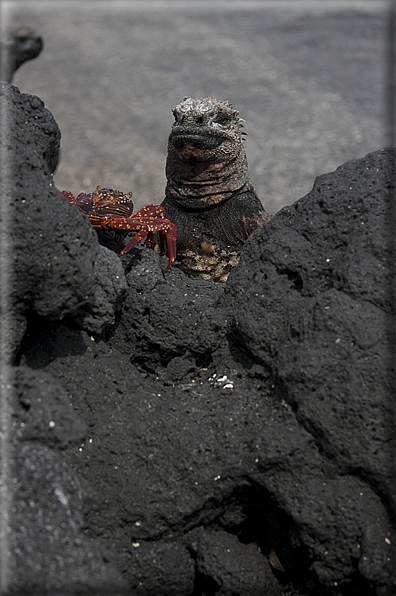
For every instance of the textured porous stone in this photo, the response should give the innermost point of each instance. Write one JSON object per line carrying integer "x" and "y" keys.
{"x": 313, "y": 307}
{"x": 43, "y": 543}
{"x": 211, "y": 424}
{"x": 109, "y": 291}
{"x": 43, "y": 410}
{"x": 162, "y": 459}
{"x": 162, "y": 569}
{"x": 231, "y": 566}
{"x": 50, "y": 260}
{"x": 167, "y": 319}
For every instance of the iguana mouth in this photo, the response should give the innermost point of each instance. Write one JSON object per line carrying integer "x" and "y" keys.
{"x": 198, "y": 140}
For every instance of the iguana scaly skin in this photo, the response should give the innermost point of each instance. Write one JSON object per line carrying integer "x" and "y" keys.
{"x": 209, "y": 195}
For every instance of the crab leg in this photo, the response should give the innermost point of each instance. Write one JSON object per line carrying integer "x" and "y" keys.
{"x": 154, "y": 211}
{"x": 142, "y": 233}
{"x": 150, "y": 241}
{"x": 168, "y": 238}
{"x": 70, "y": 196}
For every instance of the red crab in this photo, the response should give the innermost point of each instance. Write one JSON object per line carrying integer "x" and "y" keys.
{"x": 111, "y": 209}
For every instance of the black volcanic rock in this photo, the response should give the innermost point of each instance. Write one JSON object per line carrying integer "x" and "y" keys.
{"x": 50, "y": 256}
{"x": 163, "y": 459}
{"x": 175, "y": 436}
{"x": 42, "y": 509}
{"x": 162, "y": 568}
{"x": 231, "y": 566}
{"x": 312, "y": 304}
{"x": 168, "y": 322}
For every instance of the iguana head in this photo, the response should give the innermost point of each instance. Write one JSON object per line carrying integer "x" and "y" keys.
{"x": 206, "y": 158}
{"x": 204, "y": 124}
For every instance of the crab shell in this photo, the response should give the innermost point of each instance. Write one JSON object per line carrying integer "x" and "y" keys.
{"x": 113, "y": 210}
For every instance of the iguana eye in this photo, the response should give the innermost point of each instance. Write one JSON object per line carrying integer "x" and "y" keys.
{"x": 223, "y": 119}
{"x": 178, "y": 117}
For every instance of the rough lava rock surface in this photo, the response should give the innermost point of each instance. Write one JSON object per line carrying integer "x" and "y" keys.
{"x": 50, "y": 258}
{"x": 193, "y": 438}
{"x": 313, "y": 302}
{"x": 45, "y": 549}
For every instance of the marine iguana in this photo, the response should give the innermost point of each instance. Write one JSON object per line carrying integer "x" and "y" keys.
{"x": 209, "y": 195}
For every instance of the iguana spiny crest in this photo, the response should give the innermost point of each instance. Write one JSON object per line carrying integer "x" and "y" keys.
{"x": 217, "y": 116}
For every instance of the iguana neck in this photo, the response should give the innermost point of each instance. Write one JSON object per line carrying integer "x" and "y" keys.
{"x": 200, "y": 184}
